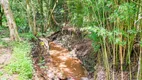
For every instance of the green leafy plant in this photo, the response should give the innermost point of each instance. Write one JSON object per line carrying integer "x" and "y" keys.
{"x": 21, "y": 63}
{"x": 1, "y": 73}
{"x": 124, "y": 12}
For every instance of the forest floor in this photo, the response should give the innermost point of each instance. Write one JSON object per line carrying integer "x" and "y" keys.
{"x": 5, "y": 57}
{"x": 59, "y": 56}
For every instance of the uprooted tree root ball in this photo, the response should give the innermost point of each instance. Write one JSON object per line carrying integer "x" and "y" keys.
{"x": 65, "y": 57}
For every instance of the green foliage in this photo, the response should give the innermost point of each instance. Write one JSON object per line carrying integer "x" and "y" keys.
{"x": 21, "y": 62}
{"x": 28, "y": 36}
{"x": 4, "y": 22}
{"x": 141, "y": 43}
{"x": 77, "y": 14}
{"x": 89, "y": 12}
{"x": 96, "y": 41}
{"x": 124, "y": 12}
{"x": 1, "y": 73}
{"x": 3, "y": 43}
{"x": 19, "y": 14}
{"x": 4, "y": 32}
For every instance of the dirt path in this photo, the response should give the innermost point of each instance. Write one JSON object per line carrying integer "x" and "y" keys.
{"x": 5, "y": 57}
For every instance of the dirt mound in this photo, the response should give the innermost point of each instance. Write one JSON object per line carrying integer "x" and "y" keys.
{"x": 52, "y": 61}
{"x": 64, "y": 56}
{"x": 82, "y": 47}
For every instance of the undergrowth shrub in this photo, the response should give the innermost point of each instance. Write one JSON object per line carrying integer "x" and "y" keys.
{"x": 21, "y": 63}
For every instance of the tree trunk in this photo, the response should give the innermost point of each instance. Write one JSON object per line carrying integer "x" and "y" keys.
{"x": 34, "y": 28}
{"x": 41, "y": 15}
{"x": 11, "y": 23}
{"x": 28, "y": 15}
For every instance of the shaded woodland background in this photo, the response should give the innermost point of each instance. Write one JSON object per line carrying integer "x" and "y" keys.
{"x": 113, "y": 26}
